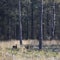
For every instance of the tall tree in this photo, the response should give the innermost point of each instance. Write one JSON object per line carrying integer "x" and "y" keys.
{"x": 53, "y": 20}
{"x": 41, "y": 25}
{"x": 20, "y": 35}
{"x": 53, "y": 32}
{"x": 47, "y": 23}
{"x": 32, "y": 21}
{"x": 27, "y": 3}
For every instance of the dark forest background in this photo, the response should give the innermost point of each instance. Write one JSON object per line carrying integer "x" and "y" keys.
{"x": 30, "y": 11}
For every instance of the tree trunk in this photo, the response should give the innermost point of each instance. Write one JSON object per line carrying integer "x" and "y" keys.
{"x": 41, "y": 25}
{"x": 53, "y": 20}
{"x": 20, "y": 35}
{"x": 53, "y": 32}
{"x": 32, "y": 21}
{"x": 27, "y": 21}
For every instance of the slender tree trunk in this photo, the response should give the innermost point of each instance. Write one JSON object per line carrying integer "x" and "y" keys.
{"x": 53, "y": 20}
{"x": 9, "y": 29}
{"x": 53, "y": 33}
{"x": 41, "y": 25}
{"x": 47, "y": 23}
{"x": 32, "y": 21}
{"x": 15, "y": 29}
{"x": 27, "y": 22}
{"x": 20, "y": 35}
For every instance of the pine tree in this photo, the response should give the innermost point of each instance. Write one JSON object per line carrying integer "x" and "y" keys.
{"x": 27, "y": 20}
{"x": 53, "y": 20}
{"x": 20, "y": 35}
{"x": 32, "y": 21}
{"x": 53, "y": 32}
{"x": 41, "y": 25}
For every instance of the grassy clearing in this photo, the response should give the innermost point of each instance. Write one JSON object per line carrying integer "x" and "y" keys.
{"x": 7, "y": 53}
{"x": 31, "y": 54}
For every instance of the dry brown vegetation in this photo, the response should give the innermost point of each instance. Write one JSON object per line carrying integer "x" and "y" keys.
{"x": 9, "y": 44}
{"x": 45, "y": 42}
{"x": 6, "y": 53}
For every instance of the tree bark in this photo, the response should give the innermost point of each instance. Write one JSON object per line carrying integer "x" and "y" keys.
{"x": 32, "y": 21}
{"x": 41, "y": 26}
{"x": 53, "y": 20}
{"x": 20, "y": 35}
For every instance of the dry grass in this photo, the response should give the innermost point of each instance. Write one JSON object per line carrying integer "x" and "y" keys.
{"x": 45, "y": 42}
{"x": 51, "y": 42}
{"x": 6, "y": 53}
{"x": 9, "y": 44}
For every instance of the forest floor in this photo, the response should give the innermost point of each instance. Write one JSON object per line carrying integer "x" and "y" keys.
{"x": 48, "y": 52}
